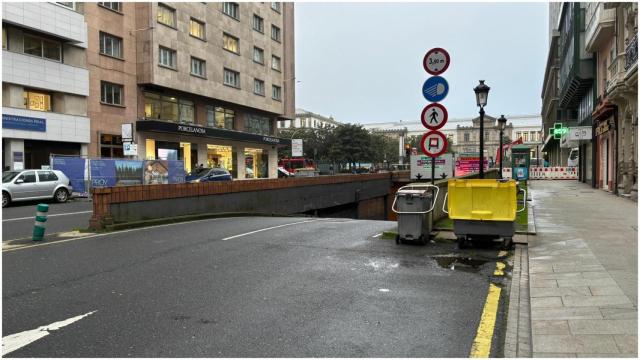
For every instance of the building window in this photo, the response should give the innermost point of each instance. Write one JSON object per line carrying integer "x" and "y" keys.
{"x": 68, "y": 4}
{"x": 196, "y": 29}
{"x": 276, "y": 93}
{"x": 258, "y": 55}
{"x": 167, "y": 57}
{"x": 115, "y": 6}
{"x": 111, "y": 146}
{"x": 276, "y": 6}
{"x": 466, "y": 137}
{"x": 232, "y": 78}
{"x": 231, "y": 9}
{"x": 111, "y": 93}
{"x": 258, "y": 87}
{"x": 275, "y": 63}
{"x": 258, "y": 124}
{"x": 525, "y": 136}
{"x": 110, "y": 45}
{"x": 4, "y": 38}
{"x": 275, "y": 33}
{"x": 258, "y": 23}
{"x": 187, "y": 111}
{"x": 231, "y": 43}
{"x": 40, "y": 47}
{"x": 34, "y": 100}
{"x": 160, "y": 107}
{"x": 166, "y": 15}
{"x": 198, "y": 67}
{"x": 220, "y": 117}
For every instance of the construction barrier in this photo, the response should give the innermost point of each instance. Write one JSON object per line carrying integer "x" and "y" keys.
{"x": 547, "y": 173}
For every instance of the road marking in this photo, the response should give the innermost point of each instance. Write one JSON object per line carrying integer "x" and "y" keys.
{"x": 269, "y": 228}
{"x": 376, "y": 235}
{"x": 52, "y": 215}
{"x": 482, "y": 343}
{"x": 14, "y": 342}
{"x": 383, "y": 290}
{"x": 105, "y": 234}
{"x": 499, "y": 269}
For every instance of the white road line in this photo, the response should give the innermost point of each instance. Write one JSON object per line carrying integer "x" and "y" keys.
{"x": 14, "y": 342}
{"x": 52, "y": 215}
{"x": 269, "y": 228}
{"x": 376, "y": 235}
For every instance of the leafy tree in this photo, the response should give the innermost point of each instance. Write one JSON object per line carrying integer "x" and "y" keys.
{"x": 351, "y": 144}
{"x": 383, "y": 148}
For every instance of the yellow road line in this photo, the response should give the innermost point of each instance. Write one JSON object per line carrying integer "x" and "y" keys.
{"x": 499, "y": 269}
{"x": 481, "y": 347}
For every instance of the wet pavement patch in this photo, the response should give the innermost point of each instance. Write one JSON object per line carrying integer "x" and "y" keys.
{"x": 460, "y": 263}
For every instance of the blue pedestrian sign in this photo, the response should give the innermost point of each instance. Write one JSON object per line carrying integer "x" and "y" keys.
{"x": 435, "y": 89}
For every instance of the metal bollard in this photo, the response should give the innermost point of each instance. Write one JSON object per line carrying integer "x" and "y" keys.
{"x": 41, "y": 218}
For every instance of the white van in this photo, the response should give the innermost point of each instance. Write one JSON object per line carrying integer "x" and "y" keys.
{"x": 573, "y": 158}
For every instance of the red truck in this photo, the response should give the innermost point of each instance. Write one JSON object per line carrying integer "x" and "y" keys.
{"x": 292, "y": 164}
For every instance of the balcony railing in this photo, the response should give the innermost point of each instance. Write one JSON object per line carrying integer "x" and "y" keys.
{"x": 631, "y": 53}
{"x": 615, "y": 73}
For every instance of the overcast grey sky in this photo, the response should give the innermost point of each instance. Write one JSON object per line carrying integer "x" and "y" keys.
{"x": 362, "y": 62}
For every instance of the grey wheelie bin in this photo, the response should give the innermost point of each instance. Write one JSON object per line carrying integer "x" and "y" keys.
{"x": 414, "y": 205}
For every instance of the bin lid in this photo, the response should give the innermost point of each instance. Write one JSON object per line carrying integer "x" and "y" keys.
{"x": 414, "y": 193}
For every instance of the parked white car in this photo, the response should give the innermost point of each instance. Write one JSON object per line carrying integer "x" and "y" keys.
{"x": 35, "y": 184}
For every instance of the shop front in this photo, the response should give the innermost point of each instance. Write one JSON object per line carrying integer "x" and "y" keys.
{"x": 244, "y": 155}
{"x": 605, "y": 143}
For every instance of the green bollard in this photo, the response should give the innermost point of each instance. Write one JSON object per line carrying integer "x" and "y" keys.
{"x": 41, "y": 218}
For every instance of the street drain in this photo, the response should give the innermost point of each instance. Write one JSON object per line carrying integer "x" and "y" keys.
{"x": 465, "y": 264}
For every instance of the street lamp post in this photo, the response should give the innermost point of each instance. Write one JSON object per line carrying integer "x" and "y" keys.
{"x": 482, "y": 92}
{"x": 502, "y": 122}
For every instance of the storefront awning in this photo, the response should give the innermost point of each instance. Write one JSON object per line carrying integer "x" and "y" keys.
{"x": 207, "y": 132}
{"x": 549, "y": 142}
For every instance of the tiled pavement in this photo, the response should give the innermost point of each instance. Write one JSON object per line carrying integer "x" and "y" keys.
{"x": 583, "y": 272}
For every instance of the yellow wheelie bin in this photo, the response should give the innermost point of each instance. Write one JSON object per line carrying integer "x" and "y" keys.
{"x": 483, "y": 209}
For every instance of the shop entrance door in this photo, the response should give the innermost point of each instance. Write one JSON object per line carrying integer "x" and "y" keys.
{"x": 604, "y": 161}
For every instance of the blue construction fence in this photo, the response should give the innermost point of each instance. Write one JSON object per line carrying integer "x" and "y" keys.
{"x": 85, "y": 174}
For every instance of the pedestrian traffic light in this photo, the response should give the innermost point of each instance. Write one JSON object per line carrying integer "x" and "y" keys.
{"x": 407, "y": 150}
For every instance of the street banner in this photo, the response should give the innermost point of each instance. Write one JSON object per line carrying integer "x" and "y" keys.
{"x": 156, "y": 172}
{"x": 74, "y": 168}
{"x": 421, "y": 167}
{"x": 176, "y": 172}
{"x": 102, "y": 172}
{"x": 469, "y": 163}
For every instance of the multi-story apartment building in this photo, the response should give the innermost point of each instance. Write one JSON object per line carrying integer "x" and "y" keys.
{"x": 45, "y": 83}
{"x": 201, "y": 82}
{"x": 575, "y": 91}
{"x": 594, "y": 57}
{"x": 612, "y": 36}
{"x": 308, "y": 119}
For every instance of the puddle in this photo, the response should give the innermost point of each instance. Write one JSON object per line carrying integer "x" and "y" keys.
{"x": 459, "y": 263}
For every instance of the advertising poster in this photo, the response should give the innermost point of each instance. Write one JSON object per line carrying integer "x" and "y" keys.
{"x": 128, "y": 172}
{"x": 469, "y": 163}
{"x": 421, "y": 167}
{"x": 176, "y": 172}
{"x": 74, "y": 169}
{"x": 103, "y": 173}
{"x": 156, "y": 172}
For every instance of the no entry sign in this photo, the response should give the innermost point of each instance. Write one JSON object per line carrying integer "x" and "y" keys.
{"x": 433, "y": 143}
{"x": 436, "y": 61}
{"x": 434, "y": 116}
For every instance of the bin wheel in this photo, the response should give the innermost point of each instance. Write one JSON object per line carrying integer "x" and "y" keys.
{"x": 398, "y": 241}
{"x": 462, "y": 242}
{"x": 507, "y": 243}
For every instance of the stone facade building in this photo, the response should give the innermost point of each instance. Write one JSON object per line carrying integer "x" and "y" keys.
{"x": 45, "y": 83}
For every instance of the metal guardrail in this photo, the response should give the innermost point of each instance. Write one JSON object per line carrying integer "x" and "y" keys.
{"x": 631, "y": 53}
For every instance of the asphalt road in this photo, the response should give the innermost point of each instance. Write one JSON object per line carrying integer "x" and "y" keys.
{"x": 18, "y": 218}
{"x": 320, "y": 288}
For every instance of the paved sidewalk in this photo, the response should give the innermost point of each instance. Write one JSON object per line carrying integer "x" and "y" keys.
{"x": 583, "y": 271}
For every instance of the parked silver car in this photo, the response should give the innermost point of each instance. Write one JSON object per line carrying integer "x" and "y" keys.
{"x": 34, "y": 184}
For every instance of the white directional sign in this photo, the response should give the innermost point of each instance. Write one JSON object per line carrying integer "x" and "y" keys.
{"x": 434, "y": 116}
{"x": 436, "y": 61}
{"x": 296, "y": 147}
{"x": 421, "y": 166}
{"x": 433, "y": 143}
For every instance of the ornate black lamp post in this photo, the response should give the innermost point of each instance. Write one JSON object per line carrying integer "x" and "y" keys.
{"x": 482, "y": 92}
{"x": 502, "y": 122}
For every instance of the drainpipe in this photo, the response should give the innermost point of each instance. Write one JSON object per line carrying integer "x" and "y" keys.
{"x": 615, "y": 137}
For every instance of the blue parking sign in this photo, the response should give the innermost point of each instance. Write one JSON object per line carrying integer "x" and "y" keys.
{"x": 435, "y": 89}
